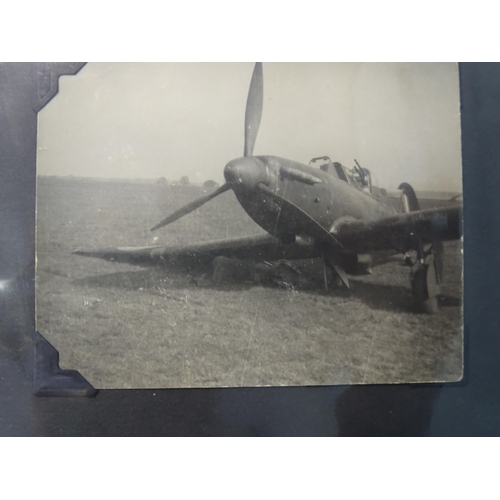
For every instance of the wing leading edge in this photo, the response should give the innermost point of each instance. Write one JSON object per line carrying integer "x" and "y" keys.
{"x": 261, "y": 247}
{"x": 400, "y": 232}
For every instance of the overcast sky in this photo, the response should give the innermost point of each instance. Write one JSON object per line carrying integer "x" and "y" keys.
{"x": 150, "y": 120}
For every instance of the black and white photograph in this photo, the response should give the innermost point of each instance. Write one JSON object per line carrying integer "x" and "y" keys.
{"x": 252, "y": 224}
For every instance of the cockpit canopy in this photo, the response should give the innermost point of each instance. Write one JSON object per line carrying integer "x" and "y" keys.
{"x": 357, "y": 176}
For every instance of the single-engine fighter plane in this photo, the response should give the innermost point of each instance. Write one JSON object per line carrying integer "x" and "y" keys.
{"x": 330, "y": 212}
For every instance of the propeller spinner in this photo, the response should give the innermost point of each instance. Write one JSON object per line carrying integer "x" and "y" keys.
{"x": 246, "y": 171}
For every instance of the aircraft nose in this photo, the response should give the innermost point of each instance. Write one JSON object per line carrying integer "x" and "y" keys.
{"x": 245, "y": 173}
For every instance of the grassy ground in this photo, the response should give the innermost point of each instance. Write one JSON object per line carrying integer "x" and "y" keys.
{"x": 123, "y": 326}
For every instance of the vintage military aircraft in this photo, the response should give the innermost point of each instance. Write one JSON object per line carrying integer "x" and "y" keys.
{"x": 329, "y": 212}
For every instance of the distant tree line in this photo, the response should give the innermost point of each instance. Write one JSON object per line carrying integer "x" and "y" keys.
{"x": 184, "y": 181}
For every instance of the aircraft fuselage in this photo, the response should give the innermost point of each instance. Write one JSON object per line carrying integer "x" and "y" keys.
{"x": 322, "y": 195}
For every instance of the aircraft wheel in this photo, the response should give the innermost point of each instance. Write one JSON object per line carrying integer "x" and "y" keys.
{"x": 431, "y": 306}
{"x": 421, "y": 299}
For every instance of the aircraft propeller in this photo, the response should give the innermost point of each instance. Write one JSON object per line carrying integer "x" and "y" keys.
{"x": 253, "y": 112}
{"x": 253, "y": 115}
{"x": 190, "y": 207}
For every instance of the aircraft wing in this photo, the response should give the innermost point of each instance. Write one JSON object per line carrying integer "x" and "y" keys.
{"x": 260, "y": 247}
{"x": 400, "y": 232}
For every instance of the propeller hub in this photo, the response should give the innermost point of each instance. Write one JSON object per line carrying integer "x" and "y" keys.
{"x": 246, "y": 173}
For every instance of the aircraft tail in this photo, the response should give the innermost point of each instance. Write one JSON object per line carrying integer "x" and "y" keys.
{"x": 409, "y": 201}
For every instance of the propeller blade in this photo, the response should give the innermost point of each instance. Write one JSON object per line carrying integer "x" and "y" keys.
{"x": 190, "y": 207}
{"x": 253, "y": 112}
{"x": 314, "y": 227}
{"x": 339, "y": 270}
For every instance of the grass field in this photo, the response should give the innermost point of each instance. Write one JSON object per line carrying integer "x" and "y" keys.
{"x": 124, "y": 326}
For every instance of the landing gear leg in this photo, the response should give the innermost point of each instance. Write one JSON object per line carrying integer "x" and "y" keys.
{"x": 424, "y": 280}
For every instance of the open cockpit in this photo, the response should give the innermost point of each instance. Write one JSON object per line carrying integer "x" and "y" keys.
{"x": 358, "y": 177}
